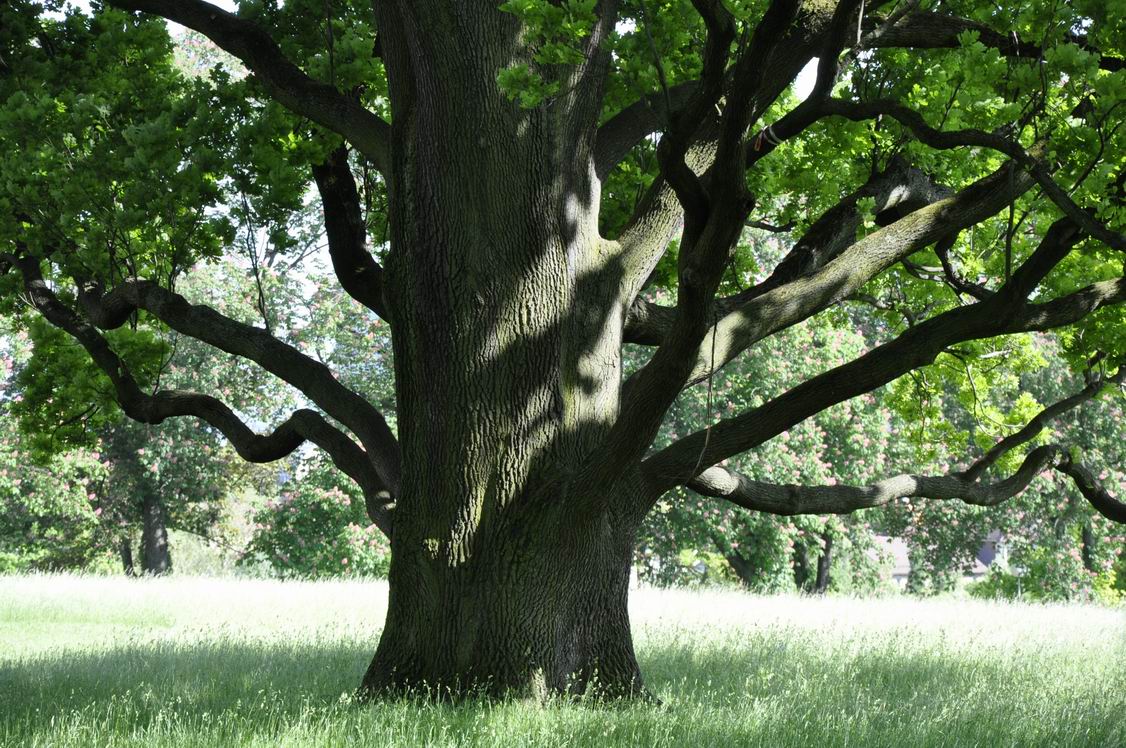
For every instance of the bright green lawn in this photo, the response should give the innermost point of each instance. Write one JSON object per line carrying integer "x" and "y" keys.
{"x": 188, "y": 661}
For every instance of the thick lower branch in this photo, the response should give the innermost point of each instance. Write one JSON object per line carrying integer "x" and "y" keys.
{"x": 790, "y": 500}
{"x": 303, "y": 425}
{"x": 786, "y": 499}
{"x": 314, "y": 379}
{"x": 964, "y": 485}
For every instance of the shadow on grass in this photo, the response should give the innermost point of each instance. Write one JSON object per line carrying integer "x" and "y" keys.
{"x": 210, "y": 676}
{"x": 768, "y": 691}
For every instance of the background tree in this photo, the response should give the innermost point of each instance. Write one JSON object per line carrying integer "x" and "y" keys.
{"x": 851, "y": 443}
{"x": 959, "y": 160}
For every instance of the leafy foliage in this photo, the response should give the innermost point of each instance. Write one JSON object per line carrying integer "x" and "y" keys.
{"x": 318, "y": 527}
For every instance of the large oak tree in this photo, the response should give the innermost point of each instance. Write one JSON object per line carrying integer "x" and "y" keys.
{"x": 505, "y": 184}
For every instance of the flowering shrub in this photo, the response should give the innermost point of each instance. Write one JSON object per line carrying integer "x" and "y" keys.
{"x": 48, "y": 514}
{"x": 315, "y": 528}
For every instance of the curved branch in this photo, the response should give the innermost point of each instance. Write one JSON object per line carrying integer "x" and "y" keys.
{"x": 358, "y": 272}
{"x": 792, "y": 499}
{"x": 1097, "y": 495}
{"x": 311, "y": 377}
{"x": 1040, "y": 421}
{"x": 303, "y": 425}
{"x": 282, "y": 79}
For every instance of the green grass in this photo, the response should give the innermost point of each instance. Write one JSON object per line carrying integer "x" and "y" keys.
{"x": 187, "y": 661}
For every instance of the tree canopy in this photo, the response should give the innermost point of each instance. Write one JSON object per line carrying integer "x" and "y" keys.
{"x": 571, "y": 214}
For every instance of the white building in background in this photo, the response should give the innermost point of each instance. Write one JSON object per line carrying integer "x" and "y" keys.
{"x": 992, "y": 550}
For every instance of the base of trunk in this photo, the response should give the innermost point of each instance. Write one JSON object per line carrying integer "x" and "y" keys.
{"x": 547, "y": 618}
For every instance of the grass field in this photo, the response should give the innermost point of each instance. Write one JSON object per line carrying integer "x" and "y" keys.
{"x": 189, "y": 661}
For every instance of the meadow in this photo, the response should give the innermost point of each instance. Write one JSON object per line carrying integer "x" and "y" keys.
{"x": 183, "y": 661}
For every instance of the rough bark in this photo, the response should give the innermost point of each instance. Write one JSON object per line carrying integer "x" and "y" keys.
{"x": 498, "y": 266}
{"x": 538, "y": 610}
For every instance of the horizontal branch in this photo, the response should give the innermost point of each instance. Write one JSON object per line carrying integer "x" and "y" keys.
{"x": 788, "y": 499}
{"x": 926, "y": 30}
{"x": 283, "y": 80}
{"x": 625, "y": 130}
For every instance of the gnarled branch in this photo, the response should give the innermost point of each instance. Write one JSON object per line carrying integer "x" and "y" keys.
{"x": 303, "y": 425}
{"x": 966, "y": 485}
{"x": 787, "y": 499}
{"x": 314, "y": 379}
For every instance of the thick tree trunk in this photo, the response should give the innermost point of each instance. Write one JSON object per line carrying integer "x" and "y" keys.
{"x": 156, "y": 559}
{"x": 504, "y": 577}
{"x": 539, "y": 611}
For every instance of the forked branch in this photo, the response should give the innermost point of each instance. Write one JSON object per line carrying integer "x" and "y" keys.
{"x": 314, "y": 379}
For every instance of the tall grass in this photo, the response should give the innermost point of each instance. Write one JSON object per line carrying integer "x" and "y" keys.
{"x": 188, "y": 661}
